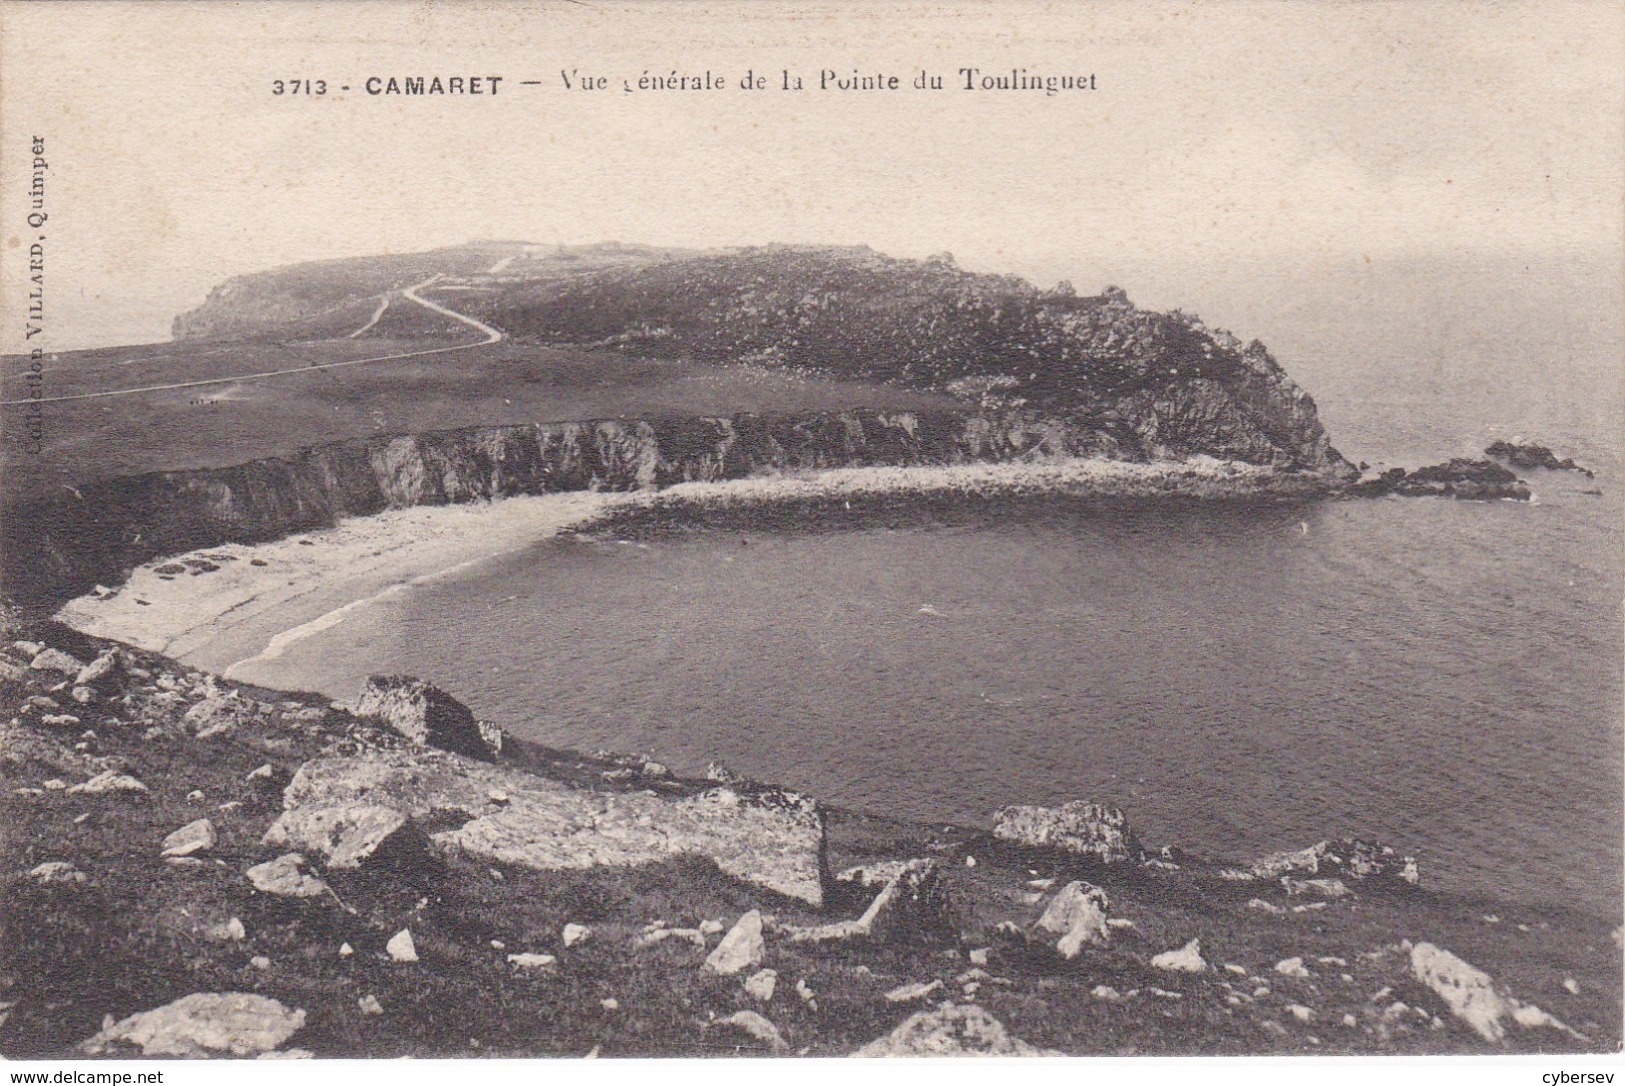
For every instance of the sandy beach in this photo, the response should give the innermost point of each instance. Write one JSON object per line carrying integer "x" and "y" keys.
{"x": 228, "y": 609}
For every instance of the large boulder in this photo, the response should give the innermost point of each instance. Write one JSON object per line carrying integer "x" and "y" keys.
{"x": 911, "y": 907}
{"x": 962, "y": 1030}
{"x": 1080, "y": 827}
{"x": 202, "y": 1025}
{"x": 427, "y": 715}
{"x": 346, "y": 835}
{"x": 1473, "y": 996}
{"x": 770, "y": 837}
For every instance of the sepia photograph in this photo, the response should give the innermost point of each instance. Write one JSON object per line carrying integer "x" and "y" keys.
{"x": 609, "y": 530}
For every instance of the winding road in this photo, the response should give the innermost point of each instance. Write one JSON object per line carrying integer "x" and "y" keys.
{"x": 491, "y": 334}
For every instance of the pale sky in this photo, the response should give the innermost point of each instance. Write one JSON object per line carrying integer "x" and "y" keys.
{"x": 1219, "y": 132}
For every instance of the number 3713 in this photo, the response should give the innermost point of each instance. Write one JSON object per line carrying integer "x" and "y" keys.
{"x": 299, "y": 86}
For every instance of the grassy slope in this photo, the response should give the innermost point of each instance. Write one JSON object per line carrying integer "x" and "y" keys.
{"x": 140, "y": 932}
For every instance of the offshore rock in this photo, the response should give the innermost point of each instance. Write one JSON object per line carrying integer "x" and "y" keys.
{"x": 1080, "y": 827}
{"x": 1529, "y": 455}
{"x": 963, "y": 1030}
{"x": 771, "y": 837}
{"x": 1469, "y": 480}
{"x": 425, "y": 714}
{"x": 203, "y": 1025}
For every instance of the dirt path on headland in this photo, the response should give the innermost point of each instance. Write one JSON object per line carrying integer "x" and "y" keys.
{"x": 492, "y": 335}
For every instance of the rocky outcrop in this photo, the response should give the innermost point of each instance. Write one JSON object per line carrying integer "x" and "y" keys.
{"x": 97, "y": 533}
{"x": 339, "y": 807}
{"x": 1078, "y": 915}
{"x": 1351, "y": 858}
{"x": 1079, "y": 827}
{"x": 427, "y": 715}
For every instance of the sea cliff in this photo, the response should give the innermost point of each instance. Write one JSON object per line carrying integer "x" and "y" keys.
{"x": 63, "y": 544}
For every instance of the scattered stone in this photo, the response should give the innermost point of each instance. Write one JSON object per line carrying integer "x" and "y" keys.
{"x": 761, "y": 984}
{"x": 711, "y": 927}
{"x": 1292, "y": 967}
{"x": 741, "y": 947}
{"x": 1231, "y": 967}
{"x": 56, "y": 660}
{"x": 759, "y": 1028}
{"x": 260, "y": 961}
{"x": 29, "y": 649}
{"x": 109, "y": 781}
{"x": 532, "y": 961}
{"x": 654, "y": 769}
{"x": 83, "y": 695}
{"x": 197, "y": 836}
{"x": 203, "y": 1025}
{"x": 400, "y": 946}
{"x": 574, "y": 933}
{"x": 1350, "y": 1021}
{"x": 1078, "y": 915}
{"x": 195, "y": 796}
{"x": 235, "y": 931}
{"x": 964, "y": 1030}
{"x": 103, "y": 667}
{"x": 610, "y": 1004}
{"x": 369, "y": 1004}
{"x": 60, "y": 720}
{"x": 282, "y": 877}
{"x": 345, "y": 950}
{"x": 56, "y": 871}
{"x": 1571, "y": 985}
{"x": 1081, "y": 827}
{"x": 1350, "y": 858}
{"x": 424, "y": 714}
{"x": 1300, "y": 1012}
{"x": 263, "y": 773}
{"x": 979, "y": 956}
{"x": 908, "y": 993}
{"x": 1107, "y": 993}
{"x": 1331, "y": 888}
{"x": 1187, "y": 959}
{"x": 55, "y": 784}
{"x": 808, "y": 996}
{"x": 660, "y": 935}
{"x": 1473, "y": 997}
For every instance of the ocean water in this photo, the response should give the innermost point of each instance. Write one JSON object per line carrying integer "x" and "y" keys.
{"x": 1444, "y": 676}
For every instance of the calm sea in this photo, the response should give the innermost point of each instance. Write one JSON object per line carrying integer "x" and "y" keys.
{"x": 1444, "y": 676}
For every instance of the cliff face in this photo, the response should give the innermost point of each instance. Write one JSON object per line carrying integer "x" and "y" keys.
{"x": 76, "y": 540}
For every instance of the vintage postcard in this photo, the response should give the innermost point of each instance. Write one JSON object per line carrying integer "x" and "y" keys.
{"x": 593, "y": 529}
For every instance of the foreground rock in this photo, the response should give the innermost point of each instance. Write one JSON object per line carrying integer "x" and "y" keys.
{"x": 759, "y": 1028}
{"x": 427, "y": 715}
{"x": 1078, "y": 915}
{"x": 963, "y": 1030}
{"x": 1080, "y": 827}
{"x": 1472, "y": 996}
{"x": 740, "y": 949}
{"x": 770, "y": 837}
{"x": 203, "y": 1025}
{"x": 912, "y": 906}
{"x": 283, "y": 877}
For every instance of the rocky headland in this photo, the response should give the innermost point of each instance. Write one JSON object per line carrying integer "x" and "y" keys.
{"x": 198, "y": 868}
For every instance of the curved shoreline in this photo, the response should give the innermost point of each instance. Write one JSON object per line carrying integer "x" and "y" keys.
{"x": 257, "y": 600}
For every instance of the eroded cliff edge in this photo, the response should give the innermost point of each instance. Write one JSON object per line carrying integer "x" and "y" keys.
{"x": 62, "y": 544}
